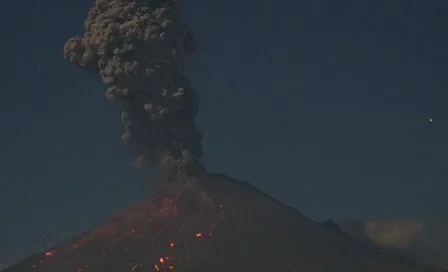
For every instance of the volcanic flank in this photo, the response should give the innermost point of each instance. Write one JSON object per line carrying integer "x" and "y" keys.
{"x": 214, "y": 224}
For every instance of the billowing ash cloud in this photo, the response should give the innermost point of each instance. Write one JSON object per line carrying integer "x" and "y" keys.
{"x": 136, "y": 47}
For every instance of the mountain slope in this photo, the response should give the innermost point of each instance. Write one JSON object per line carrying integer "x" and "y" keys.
{"x": 212, "y": 224}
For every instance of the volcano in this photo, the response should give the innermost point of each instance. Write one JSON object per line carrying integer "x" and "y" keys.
{"x": 212, "y": 223}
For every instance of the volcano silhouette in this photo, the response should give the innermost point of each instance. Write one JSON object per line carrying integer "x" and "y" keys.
{"x": 211, "y": 224}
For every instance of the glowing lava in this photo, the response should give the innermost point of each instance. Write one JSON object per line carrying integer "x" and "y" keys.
{"x": 194, "y": 238}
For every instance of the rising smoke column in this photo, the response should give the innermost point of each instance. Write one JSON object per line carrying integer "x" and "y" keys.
{"x": 136, "y": 47}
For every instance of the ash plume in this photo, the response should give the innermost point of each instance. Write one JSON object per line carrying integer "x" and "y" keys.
{"x": 136, "y": 47}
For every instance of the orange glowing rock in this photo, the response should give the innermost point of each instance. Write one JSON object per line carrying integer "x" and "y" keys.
{"x": 198, "y": 235}
{"x": 161, "y": 260}
{"x": 171, "y": 244}
{"x": 48, "y": 254}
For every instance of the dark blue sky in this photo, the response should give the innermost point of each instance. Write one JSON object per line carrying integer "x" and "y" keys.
{"x": 323, "y": 104}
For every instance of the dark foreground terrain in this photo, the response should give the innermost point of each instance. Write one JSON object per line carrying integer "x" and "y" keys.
{"x": 214, "y": 224}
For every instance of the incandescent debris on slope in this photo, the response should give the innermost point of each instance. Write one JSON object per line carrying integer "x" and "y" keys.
{"x": 212, "y": 224}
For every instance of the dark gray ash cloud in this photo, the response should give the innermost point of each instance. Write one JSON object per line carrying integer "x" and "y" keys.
{"x": 136, "y": 48}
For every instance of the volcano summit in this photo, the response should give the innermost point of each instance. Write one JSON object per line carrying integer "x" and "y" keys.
{"x": 212, "y": 223}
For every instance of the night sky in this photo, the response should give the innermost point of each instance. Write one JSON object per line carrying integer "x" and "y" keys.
{"x": 323, "y": 104}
